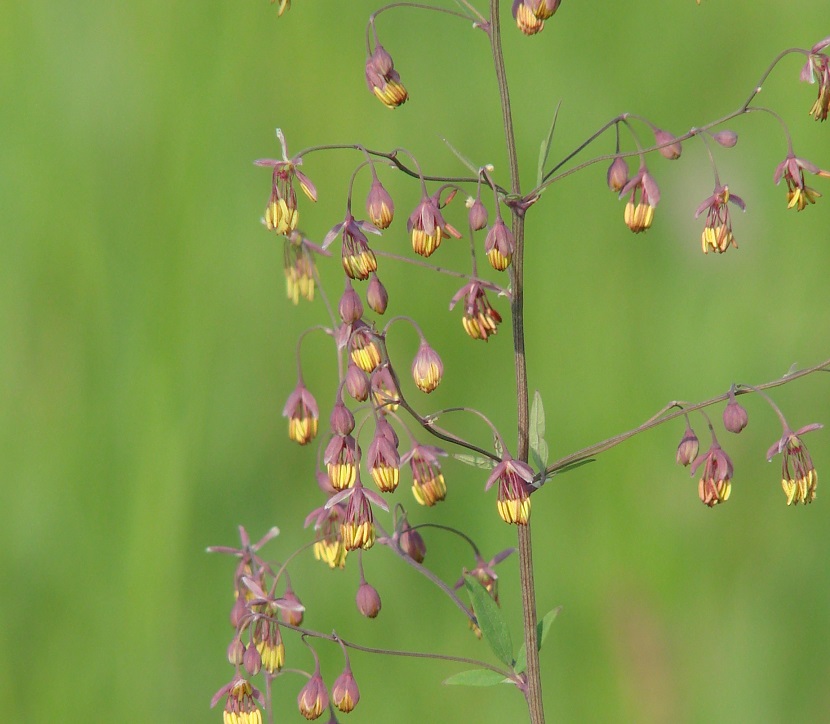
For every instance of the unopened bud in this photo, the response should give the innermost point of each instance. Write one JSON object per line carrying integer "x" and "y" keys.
{"x": 350, "y": 307}
{"x": 688, "y": 448}
{"x": 357, "y": 383}
{"x": 368, "y": 600}
{"x": 735, "y": 416}
{"x": 412, "y": 543}
{"x": 617, "y": 174}
{"x": 344, "y": 692}
{"x": 236, "y": 651}
{"x": 252, "y": 660}
{"x": 727, "y": 139}
{"x": 477, "y": 215}
{"x": 376, "y": 295}
{"x": 673, "y": 150}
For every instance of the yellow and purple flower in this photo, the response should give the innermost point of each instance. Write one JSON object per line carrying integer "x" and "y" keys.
{"x": 791, "y": 169}
{"x": 817, "y": 69}
{"x": 513, "y": 477}
{"x": 715, "y": 483}
{"x": 798, "y": 474}
{"x": 644, "y": 196}
{"x": 717, "y": 231}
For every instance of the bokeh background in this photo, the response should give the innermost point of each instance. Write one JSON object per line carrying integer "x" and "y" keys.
{"x": 147, "y": 348}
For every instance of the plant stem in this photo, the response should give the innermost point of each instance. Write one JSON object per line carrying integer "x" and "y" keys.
{"x": 533, "y": 693}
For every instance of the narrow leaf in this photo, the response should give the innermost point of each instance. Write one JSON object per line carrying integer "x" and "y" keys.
{"x": 477, "y": 461}
{"x": 544, "y": 151}
{"x": 542, "y": 630}
{"x": 490, "y": 620}
{"x": 538, "y": 446}
{"x": 573, "y": 466}
{"x": 475, "y": 677}
{"x": 469, "y": 164}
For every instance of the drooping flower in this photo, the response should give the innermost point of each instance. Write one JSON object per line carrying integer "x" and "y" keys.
{"x": 363, "y": 348}
{"x": 717, "y": 231}
{"x": 298, "y": 264}
{"x": 715, "y": 483}
{"x": 817, "y": 69}
{"x": 688, "y": 448}
{"x": 357, "y": 529}
{"x": 513, "y": 500}
{"x": 530, "y": 15}
{"x": 328, "y": 543}
{"x": 240, "y": 705}
{"x": 384, "y": 390}
{"x": 383, "y": 80}
{"x": 428, "y": 484}
{"x": 281, "y": 214}
{"x": 383, "y": 459}
{"x": 798, "y": 474}
{"x": 358, "y": 259}
{"x": 645, "y": 195}
{"x": 302, "y": 413}
{"x": 341, "y": 458}
{"x": 499, "y": 244}
{"x": 791, "y": 169}
{"x": 427, "y": 368}
{"x": 427, "y": 226}
{"x": 379, "y": 205}
{"x": 480, "y": 320}
{"x": 313, "y": 698}
{"x": 344, "y": 691}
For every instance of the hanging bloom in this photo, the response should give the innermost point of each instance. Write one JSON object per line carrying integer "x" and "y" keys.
{"x": 798, "y": 474}
{"x": 298, "y": 264}
{"x": 383, "y": 80}
{"x": 716, "y": 482}
{"x": 358, "y": 527}
{"x": 384, "y": 390}
{"x": 376, "y": 295}
{"x": 530, "y": 15}
{"x": 645, "y": 195}
{"x": 428, "y": 484}
{"x": 383, "y": 460}
{"x": 313, "y": 698}
{"x": 302, "y": 413}
{"x": 673, "y": 150}
{"x": 328, "y": 543}
{"x": 617, "y": 175}
{"x": 344, "y": 691}
{"x": 513, "y": 477}
{"x": 363, "y": 348}
{"x": 499, "y": 245}
{"x": 791, "y": 169}
{"x": 295, "y": 613}
{"x": 341, "y": 459}
{"x": 267, "y": 638}
{"x": 281, "y": 213}
{"x": 717, "y": 232}
{"x": 688, "y": 448}
{"x": 358, "y": 259}
{"x": 239, "y": 705}
{"x": 427, "y": 368}
{"x": 480, "y": 320}
{"x": 379, "y": 205}
{"x": 427, "y": 226}
{"x": 485, "y": 573}
{"x": 817, "y": 67}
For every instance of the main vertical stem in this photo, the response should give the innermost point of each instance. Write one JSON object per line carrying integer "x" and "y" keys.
{"x": 533, "y": 694}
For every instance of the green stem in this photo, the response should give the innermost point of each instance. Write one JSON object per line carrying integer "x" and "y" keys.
{"x": 533, "y": 693}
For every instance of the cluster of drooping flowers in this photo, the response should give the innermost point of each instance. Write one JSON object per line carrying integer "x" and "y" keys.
{"x": 799, "y": 477}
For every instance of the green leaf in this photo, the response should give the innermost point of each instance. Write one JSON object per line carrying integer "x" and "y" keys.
{"x": 545, "y": 148}
{"x": 469, "y": 164}
{"x": 490, "y": 620}
{"x": 542, "y": 630}
{"x": 573, "y": 466}
{"x": 477, "y": 461}
{"x": 476, "y": 677}
{"x": 538, "y": 447}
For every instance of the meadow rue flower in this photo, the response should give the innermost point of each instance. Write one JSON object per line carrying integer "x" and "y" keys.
{"x": 383, "y": 459}
{"x": 717, "y": 233}
{"x": 344, "y": 691}
{"x": 383, "y": 80}
{"x": 428, "y": 484}
{"x": 328, "y": 544}
{"x": 363, "y": 348}
{"x": 384, "y": 390}
{"x": 513, "y": 477}
{"x": 376, "y": 295}
{"x": 499, "y": 244}
{"x": 715, "y": 483}
{"x": 427, "y": 226}
{"x": 350, "y": 306}
{"x": 358, "y": 259}
{"x": 427, "y": 368}
{"x": 357, "y": 529}
{"x": 688, "y": 448}
{"x": 379, "y": 205}
{"x": 817, "y": 69}
{"x": 791, "y": 169}
{"x": 617, "y": 175}
{"x": 313, "y": 698}
{"x": 480, "y": 320}
{"x": 302, "y": 413}
{"x": 357, "y": 383}
{"x": 735, "y": 417}
{"x": 341, "y": 459}
{"x": 644, "y": 196}
{"x": 798, "y": 474}
{"x": 240, "y": 705}
{"x": 477, "y": 215}
{"x": 299, "y": 268}
{"x": 368, "y": 600}
{"x": 530, "y": 15}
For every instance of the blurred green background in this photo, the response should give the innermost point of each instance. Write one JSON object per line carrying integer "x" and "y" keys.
{"x": 148, "y": 348}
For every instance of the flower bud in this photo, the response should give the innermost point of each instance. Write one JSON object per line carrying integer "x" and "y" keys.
{"x": 671, "y": 151}
{"x": 427, "y": 368}
{"x": 617, "y": 174}
{"x": 293, "y": 615}
{"x": 688, "y": 447}
{"x": 239, "y": 611}
{"x": 350, "y": 307}
{"x": 727, "y": 139}
{"x": 344, "y": 692}
{"x": 735, "y": 416}
{"x": 252, "y": 660}
{"x": 412, "y": 543}
{"x": 341, "y": 419}
{"x": 477, "y": 215}
{"x": 236, "y": 651}
{"x": 357, "y": 383}
{"x": 313, "y": 698}
{"x": 368, "y": 600}
{"x": 376, "y": 295}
